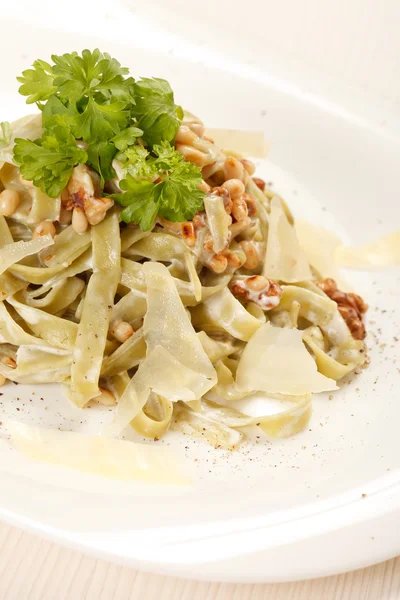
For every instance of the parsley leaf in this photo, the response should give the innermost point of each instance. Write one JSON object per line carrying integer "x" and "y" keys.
{"x": 138, "y": 199}
{"x": 49, "y": 161}
{"x": 134, "y": 162}
{"x": 5, "y": 133}
{"x": 178, "y": 195}
{"x": 86, "y": 75}
{"x": 100, "y": 157}
{"x": 37, "y": 83}
{"x": 127, "y": 138}
{"x": 100, "y": 122}
{"x": 54, "y": 106}
{"x": 174, "y": 194}
{"x": 156, "y": 111}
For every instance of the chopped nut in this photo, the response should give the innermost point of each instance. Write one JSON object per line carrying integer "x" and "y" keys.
{"x": 122, "y": 331}
{"x": 44, "y": 228}
{"x": 83, "y": 191}
{"x": 96, "y": 208}
{"x": 260, "y": 183}
{"x": 192, "y": 154}
{"x": 362, "y": 306}
{"x": 197, "y": 128}
{"x": 239, "y": 209}
{"x": 249, "y": 166}
{"x": 235, "y": 259}
{"x": 328, "y": 285}
{"x": 351, "y": 306}
{"x": 9, "y": 202}
{"x": 251, "y": 204}
{"x": 188, "y": 233}
{"x": 186, "y": 229}
{"x": 252, "y": 257}
{"x": 218, "y": 263}
{"x": 233, "y": 169}
{"x": 258, "y": 289}
{"x": 234, "y": 187}
{"x": 185, "y": 135}
{"x": 79, "y": 220}
{"x": 357, "y": 328}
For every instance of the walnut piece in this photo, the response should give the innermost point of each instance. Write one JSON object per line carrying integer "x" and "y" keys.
{"x": 351, "y": 306}
{"x": 258, "y": 289}
{"x": 83, "y": 191}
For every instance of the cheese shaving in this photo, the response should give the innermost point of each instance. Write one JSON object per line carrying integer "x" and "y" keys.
{"x": 276, "y": 361}
{"x": 111, "y": 458}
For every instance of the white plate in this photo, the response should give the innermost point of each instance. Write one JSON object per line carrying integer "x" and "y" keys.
{"x": 322, "y": 502}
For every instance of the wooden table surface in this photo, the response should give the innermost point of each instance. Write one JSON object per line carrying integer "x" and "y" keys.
{"x": 35, "y": 569}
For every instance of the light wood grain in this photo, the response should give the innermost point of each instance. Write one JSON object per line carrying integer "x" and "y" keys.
{"x": 34, "y": 569}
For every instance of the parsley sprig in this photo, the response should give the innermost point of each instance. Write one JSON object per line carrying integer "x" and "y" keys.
{"x": 164, "y": 185}
{"x": 49, "y": 161}
{"x": 91, "y": 98}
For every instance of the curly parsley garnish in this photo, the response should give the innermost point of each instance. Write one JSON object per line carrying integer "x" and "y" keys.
{"x": 91, "y": 98}
{"x": 164, "y": 185}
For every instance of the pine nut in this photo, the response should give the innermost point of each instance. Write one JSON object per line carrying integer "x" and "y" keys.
{"x": 188, "y": 233}
{"x": 235, "y": 259}
{"x": 44, "y": 228}
{"x": 192, "y": 155}
{"x": 170, "y": 226}
{"x": 9, "y": 202}
{"x": 79, "y": 220}
{"x": 257, "y": 283}
{"x": 260, "y": 183}
{"x": 239, "y": 209}
{"x": 251, "y": 204}
{"x": 252, "y": 258}
{"x": 197, "y": 128}
{"x": 234, "y": 187}
{"x": 218, "y": 263}
{"x": 249, "y": 166}
{"x": 185, "y": 136}
{"x": 233, "y": 169}
{"x": 2, "y": 380}
{"x": 122, "y": 331}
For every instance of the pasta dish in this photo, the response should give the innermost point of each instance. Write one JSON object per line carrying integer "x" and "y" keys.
{"x": 143, "y": 267}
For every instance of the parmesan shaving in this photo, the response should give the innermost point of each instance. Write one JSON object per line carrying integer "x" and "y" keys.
{"x": 284, "y": 260}
{"x": 276, "y": 361}
{"x": 114, "y": 459}
{"x": 319, "y": 245}
{"x": 383, "y": 252}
